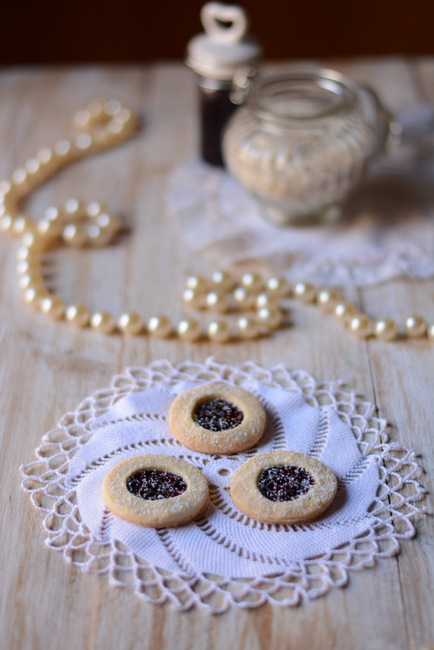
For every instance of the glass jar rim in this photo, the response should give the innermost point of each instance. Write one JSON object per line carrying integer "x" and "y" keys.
{"x": 339, "y": 91}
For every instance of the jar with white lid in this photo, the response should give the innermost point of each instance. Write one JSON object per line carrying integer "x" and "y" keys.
{"x": 302, "y": 141}
{"x": 224, "y": 59}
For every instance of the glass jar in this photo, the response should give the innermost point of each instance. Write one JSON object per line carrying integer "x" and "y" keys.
{"x": 302, "y": 141}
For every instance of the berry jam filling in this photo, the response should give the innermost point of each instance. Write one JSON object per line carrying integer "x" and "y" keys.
{"x": 218, "y": 415}
{"x": 153, "y": 484}
{"x": 284, "y": 482}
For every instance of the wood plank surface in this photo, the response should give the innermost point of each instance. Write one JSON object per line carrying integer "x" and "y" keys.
{"x": 47, "y": 368}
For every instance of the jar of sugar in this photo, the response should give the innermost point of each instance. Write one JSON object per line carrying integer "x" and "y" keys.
{"x": 302, "y": 141}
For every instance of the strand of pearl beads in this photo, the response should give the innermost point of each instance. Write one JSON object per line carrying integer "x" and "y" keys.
{"x": 105, "y": 124}
{"x": 358, "y": 323}
{"x": 102, "y": 125}
{"x": 264, "y": 295}
{"x": 222, "y": 294}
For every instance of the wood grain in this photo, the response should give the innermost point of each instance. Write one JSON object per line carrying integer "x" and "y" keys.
{"x": 47, "y": 368}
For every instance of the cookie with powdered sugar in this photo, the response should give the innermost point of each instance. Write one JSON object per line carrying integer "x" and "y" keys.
{"x": 155, "y": 491}
{"x": 217, "y": 418}
{"x": 283, "y": 487}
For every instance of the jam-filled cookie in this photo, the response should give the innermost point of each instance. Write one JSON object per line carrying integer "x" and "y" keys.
{"x": 217, "y": 418}
{"x": 155, "y": 491}
{"x": 283, "y": 487}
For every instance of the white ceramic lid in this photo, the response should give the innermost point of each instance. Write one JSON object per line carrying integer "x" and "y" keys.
{"x": 224, "y": 47}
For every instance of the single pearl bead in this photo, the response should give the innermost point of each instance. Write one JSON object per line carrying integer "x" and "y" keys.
{"x": 196, "y": 299}
{"x": 6, "y": 223}
{"x": 343, "y": 310}
{"x": 244, "y": 297}
{"x": 28, "y": 280}
{"x": 271, "y": 317}
{"x": 248, "y": 327}
{"x": 189, "y": 330}
{"x": 109, "y": 221}
{"x": 75, "y": 234}
{"x": 20, "y": 180}
{"x": 74, "y": 208}
{"x": 160, "y": 326}
{"x": 19, "y": 176}
{"x": 124, "y": 114}
{"x": 103, "y": 322}
{"x": 326, "y": 299}
{"x": 53, "y": 306}
{"x": 415, "y": 326}
{"x": 112, "y": 107}
{"x": 32, "y": 240}
{"x": 34, "y": 297}
{"x": 82, "y": 118}
{"x": 197, "y": 283}
{"x": 217, "y": 301}
{"x": 115, "y": 127}
{"x": 25, "y": 254}
{"x": 50, "y": 230}
{"x": 26, "y": 267}
{"x": 223, "y": 281}
{"x": 22, "y": 225}
{"x": 83, "y": 142}
{"x": 78, "y": 315}
{"x": 430, "y": 331}
{"x": 279, "y": 286}
{"x": 54, "y": 214}
{"x": 5, "y": 187}
{"x": 386, "y": 329}
{"x": 122, "y": 126}
{"x": 103, "y": 219}
{"x": 252, "y": 281}
{"x": 130, "y": 323}
{"x": 304, "y": 291}
{"x": 93, "y": 209}
{"x": 32, "y": 166}
{"x": 360, "y": 325}
{"x": 45, "y": 156}
{"x": 219, "y": 331}
{"x": 98, "y": 237}
{"x": 63, "y": 152}
{"x": 266, "y": 300}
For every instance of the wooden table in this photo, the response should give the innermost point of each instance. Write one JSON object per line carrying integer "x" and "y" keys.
{"x": 47, "y": 368}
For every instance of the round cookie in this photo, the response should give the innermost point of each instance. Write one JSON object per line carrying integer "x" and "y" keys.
{"x": 217, "y": 418}
{"x": 155, "y": 491}
{"x": 283, "y": 487}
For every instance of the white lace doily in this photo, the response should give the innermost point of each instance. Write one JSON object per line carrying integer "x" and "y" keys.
{"x": 224, "y": 558}
{"x": 387, "y": 231}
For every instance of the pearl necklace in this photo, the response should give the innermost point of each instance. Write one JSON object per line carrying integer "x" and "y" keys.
{"x": 102, "y": 125}
{"x": 265, "y": 295}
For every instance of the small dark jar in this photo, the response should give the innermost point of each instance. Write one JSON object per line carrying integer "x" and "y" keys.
{"x": 225, "y": 61}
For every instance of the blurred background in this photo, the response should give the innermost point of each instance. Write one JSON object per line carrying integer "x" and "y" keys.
{"x": 61, "y": 32}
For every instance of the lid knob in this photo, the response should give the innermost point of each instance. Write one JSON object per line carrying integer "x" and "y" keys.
{"x": 224, "y": 47}
{"x": 224, "y": 23}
